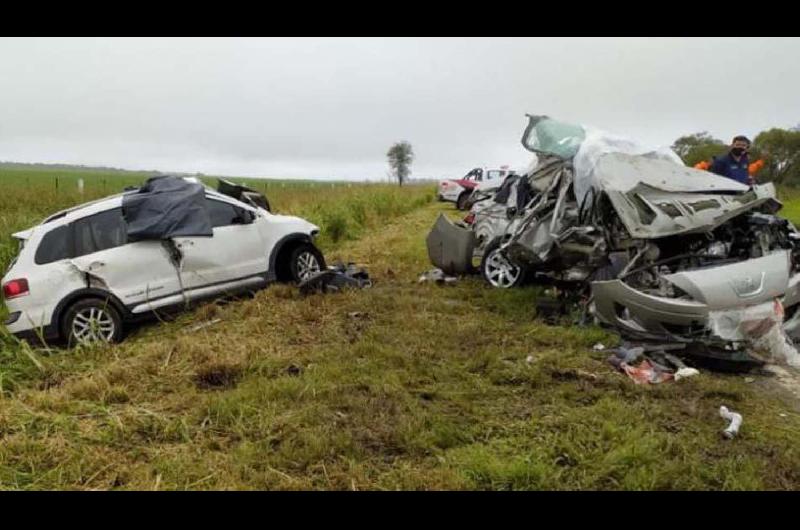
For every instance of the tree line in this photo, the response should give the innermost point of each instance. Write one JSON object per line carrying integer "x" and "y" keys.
{"x": 778, "y": 149}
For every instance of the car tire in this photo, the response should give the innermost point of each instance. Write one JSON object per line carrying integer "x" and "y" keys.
{"x": 498, "y": 271}
{"x": 91, "y": 320}
{"x": 304, "y": 261}
{"x": 461, "y": 203}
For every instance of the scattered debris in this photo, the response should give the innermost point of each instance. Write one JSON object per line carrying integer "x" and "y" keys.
{"x": 624, "y": 354}
{"x": 437, "y": 276}
{"x": 204, "y": 325}
{"x": 735, "y": 422}
{"x": 657, "y": 366}
{"x": 685, "y": 372}
{"x": 598, "y": 347}
{"x": 336, "y": 278}
{"x": 529, "y": 359}
{"x": 749, "y": 379}
{"x": 293, "y": 369}
{"x": 646, "y": 372}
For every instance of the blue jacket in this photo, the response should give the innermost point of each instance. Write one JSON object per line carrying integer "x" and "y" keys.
{"x": 727, "y": 166}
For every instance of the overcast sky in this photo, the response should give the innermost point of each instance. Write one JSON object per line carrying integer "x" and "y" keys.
{"x": 330, "y": 108}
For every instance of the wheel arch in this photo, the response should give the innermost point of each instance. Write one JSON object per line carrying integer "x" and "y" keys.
{"x": 84, "y": 294}
{"x": 284, "y": 245}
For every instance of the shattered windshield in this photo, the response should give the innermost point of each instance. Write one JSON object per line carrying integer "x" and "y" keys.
{"x": 551, "y": 137}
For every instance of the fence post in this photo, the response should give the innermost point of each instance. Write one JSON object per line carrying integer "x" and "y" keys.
{"x": 56, "y": 185}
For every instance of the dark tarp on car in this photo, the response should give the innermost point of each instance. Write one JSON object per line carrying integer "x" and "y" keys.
{"x": 167, "y": 207}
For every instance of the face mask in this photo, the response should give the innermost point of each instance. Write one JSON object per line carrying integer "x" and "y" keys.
{"x": 737, "y": 151}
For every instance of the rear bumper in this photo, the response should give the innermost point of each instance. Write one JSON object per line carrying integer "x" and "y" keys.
{"x": 20, "y": 325}
{"x": 12, "y": 318}
{"x": 39, "y": 335}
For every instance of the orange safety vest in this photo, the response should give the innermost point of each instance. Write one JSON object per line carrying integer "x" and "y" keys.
{"x": 704, "y": 165}
{"x": 755, "y": 167}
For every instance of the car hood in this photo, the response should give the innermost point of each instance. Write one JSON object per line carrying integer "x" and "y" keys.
{"x": 300, "y": 224}
{"x": 623, "y": 172}
{"x": 656, "y": 198}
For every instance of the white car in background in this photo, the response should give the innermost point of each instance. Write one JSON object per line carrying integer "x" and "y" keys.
{"x": 80, "y": 278}
{"x": 459, "y": 190}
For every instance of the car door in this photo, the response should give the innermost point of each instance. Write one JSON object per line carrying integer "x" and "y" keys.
{"x": 234, "y": 257}
{"x": 141, "y": 274}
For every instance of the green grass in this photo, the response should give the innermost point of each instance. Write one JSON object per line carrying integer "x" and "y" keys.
{"x": 402, "y": 386}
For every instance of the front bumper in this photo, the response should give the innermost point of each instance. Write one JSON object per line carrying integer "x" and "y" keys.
{"x": 716, "y": 295}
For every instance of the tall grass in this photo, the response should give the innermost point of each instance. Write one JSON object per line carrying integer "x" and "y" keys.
{"x": 343, "y": 211}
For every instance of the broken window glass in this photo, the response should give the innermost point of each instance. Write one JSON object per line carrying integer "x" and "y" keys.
{"x": 551, "y": 137}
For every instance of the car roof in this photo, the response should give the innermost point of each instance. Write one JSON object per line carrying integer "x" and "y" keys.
{"x": 85, "y": 209}
{"x": 106, "y": 203}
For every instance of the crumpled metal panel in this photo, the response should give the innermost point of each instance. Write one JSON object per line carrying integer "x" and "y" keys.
{"x": 623, "y": 172}
{"x": 649, "y": 212}
{"x": 450, "y": 247}
{"x": 749, "y": 282}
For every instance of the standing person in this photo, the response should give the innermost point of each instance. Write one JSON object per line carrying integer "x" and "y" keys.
{"x": 734, "y": 164}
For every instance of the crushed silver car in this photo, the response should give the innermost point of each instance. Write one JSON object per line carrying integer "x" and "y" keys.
{"x": 660, "y": 251}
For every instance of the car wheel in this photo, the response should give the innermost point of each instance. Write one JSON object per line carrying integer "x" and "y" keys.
{"x": 304, "y": 261}
{"x": 461, "y": 203}
{"x": 498, "y": 270}
{"x": 92, "y": 321}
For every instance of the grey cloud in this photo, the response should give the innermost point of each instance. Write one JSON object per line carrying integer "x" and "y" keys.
{"x": 330, "y": 108}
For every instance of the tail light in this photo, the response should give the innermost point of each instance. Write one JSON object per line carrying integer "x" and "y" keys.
{"x": 15, "y": 288}
{"x": 470, "y": 218}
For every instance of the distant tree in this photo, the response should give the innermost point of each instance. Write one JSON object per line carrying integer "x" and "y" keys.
{"x": 400, "y": 156}
{"x": 694, "y": 148}
{"x": 780, "y": 149}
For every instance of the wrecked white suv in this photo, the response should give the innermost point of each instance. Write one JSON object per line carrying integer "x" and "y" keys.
{"x": 86, "y": 272}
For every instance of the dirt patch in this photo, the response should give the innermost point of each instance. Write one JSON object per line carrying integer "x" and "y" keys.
{"x": 784, "y": 380}
{"x": 218, "y": 376}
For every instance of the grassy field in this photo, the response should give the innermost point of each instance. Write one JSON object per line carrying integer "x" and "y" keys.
{"x": 402, "y": 386}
